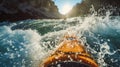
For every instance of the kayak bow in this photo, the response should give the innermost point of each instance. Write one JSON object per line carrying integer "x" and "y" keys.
{"x": 71, "y": 53}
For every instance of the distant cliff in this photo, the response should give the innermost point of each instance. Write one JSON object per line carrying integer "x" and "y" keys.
{"x": 13, "y": 10}
{"x": 100, "y": 6}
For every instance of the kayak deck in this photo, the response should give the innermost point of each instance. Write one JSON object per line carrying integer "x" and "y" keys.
{"x": 72, "y": 53}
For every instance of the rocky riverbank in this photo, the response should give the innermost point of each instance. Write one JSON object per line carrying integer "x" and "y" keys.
{"x": 99, "y": 7}
{"x": 14, "y": 10}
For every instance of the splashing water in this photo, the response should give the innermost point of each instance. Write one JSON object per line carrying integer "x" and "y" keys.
{"x": 27, "y": 43}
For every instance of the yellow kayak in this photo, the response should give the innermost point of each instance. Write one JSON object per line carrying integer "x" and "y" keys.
{"x": 71, "y": 53}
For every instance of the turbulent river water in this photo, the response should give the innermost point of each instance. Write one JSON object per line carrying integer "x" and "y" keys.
{"x": 26, "y": 43}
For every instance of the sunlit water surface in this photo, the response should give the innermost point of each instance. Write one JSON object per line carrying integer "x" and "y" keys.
{"x": 27, "y": 43}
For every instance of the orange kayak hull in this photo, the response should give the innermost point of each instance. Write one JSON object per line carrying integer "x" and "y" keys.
{"x": 70, "y": 51}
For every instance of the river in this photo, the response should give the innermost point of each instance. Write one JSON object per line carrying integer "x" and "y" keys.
{"x": 27, "y": 43}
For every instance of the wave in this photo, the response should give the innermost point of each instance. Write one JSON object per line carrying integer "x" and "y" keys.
{"x": 27, "y": 43}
